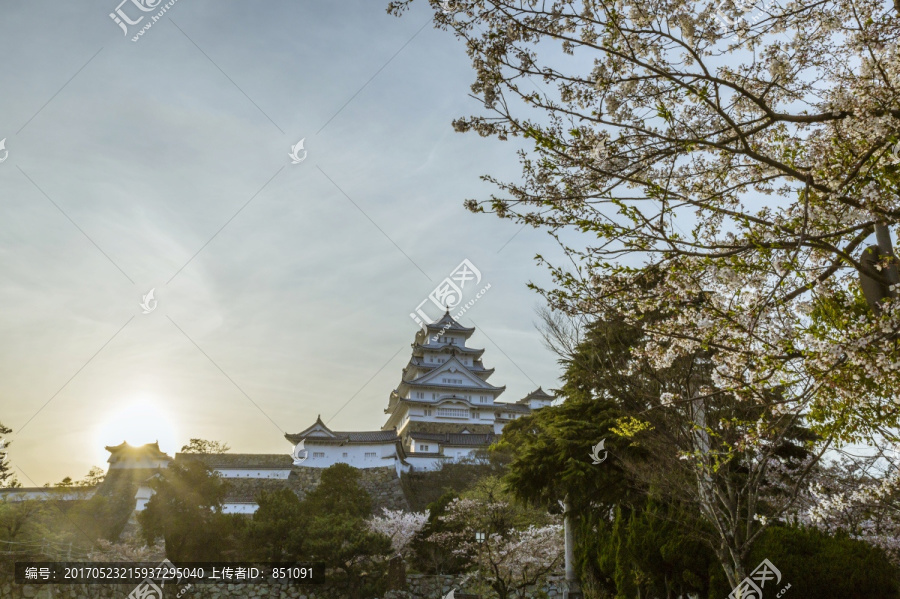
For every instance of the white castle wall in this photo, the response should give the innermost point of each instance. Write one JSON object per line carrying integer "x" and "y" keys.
{"x": 358, "y": 456}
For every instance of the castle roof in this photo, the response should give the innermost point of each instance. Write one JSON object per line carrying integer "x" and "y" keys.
{"x": 255, "y": 461}
{"x": 395, "y": 401}
{"x": 322, "y": 434}
{"x": 123, "y": 452}
{"x": 512, "y": 407}
{"x": 451, "y": 348}
{"x": 419, "y": 362}
{"x": 538, "y": 393}
{"x": 451, "y": 366}
{"x": 447, "y": 323}
{"x": 461, "y": 439}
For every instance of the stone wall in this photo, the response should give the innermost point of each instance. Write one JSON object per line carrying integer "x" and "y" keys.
{"x": 382, "y": 484}
{"x": 422, "y": 586}
{"x": 419, "y": 586}
{"x": 199, "y": 591}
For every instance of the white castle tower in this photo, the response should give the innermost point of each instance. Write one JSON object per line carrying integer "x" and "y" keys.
{"x": 444, "y": 387}
{"x": 443, "y": 408}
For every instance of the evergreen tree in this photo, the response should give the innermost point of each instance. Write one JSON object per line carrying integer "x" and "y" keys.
{"x": 186, "y": 511}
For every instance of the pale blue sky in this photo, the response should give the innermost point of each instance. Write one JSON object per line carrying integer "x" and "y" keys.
{"x": 126, "y": 158}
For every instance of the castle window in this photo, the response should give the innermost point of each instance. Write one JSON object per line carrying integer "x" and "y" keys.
{"x": 452, "y": 412}
{"x": 318, "y": 454}
{"x": 345, "y": 454}
{"x": 424, "y": 447}
{"x": 370, "y": 455}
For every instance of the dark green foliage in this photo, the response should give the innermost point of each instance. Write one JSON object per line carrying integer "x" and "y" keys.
{"x": 113, "y": 502}
{"x": 186, "y": 512}
{"x": 204, "y": 446}
{"x": 424, "y": 488}
{"x": 643, "y": 552}
{"x": 329, "y": 526}
{"x": 816, "y": 564}
{"x": 336, "y": 533}
{"x": 431, "y": 557}
{"x": 609, "y": 394}
{"x": 339, "y": 492}
{"x": 552, "y": 448}
{"x": 276, "y": 531}
{"x": 7, "y": 476}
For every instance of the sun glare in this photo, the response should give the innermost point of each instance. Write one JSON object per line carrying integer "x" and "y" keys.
{"x": 137, "y": 423}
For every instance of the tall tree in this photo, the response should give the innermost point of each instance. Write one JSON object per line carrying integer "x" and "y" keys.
{"x": 186, "y": 511}
{"x": 278, "y": 528}
{"x": 7, "y": 476}
{"x": 205, "y": 446}
{"x": 736, "y": 462}
{"x": 338, "y": 534}
{"x": 744, "y": 166}
{"x": 512, "y": 548}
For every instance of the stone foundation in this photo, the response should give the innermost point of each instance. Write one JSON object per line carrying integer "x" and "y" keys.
{"x": 382, "y": 484}
{"x": 419, "y": 586}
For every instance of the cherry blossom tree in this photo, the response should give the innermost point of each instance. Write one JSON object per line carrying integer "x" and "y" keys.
{"x": 859, "y": 495}
{"x": 724, "y": 179}
{"x": 399, "y": 526}
{"x": 511, "y": 559}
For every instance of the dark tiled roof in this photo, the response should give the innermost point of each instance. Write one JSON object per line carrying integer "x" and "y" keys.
{"x": 366, "y": 436}
{"x": 474, "y": 387}
{"x": 48, "y": 490}
{"x": 538, "y": 393}
{"x": 450, "y": 348}
{"x": 262, "y": 461}
{"x": 454, "y": 438}
{"x": 124, "y": 451}
{"x": 343, "y": 437}
{"x": 450, "y": 323}
{"x": 511, "y": 407}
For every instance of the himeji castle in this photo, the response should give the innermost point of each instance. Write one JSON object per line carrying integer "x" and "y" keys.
{"x": 444, "y": 408}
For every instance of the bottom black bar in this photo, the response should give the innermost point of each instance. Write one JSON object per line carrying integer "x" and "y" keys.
{"x": 167, "y": 572}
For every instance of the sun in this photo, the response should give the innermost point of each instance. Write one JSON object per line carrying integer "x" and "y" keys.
{"x": 138, "y": 422}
